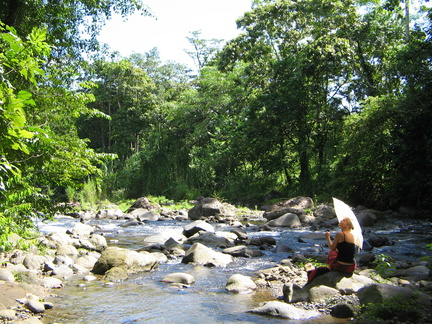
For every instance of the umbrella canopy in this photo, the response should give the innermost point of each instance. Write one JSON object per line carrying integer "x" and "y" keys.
{"x": 343, "y": 210}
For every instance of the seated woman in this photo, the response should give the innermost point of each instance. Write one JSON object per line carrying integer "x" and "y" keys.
{"x": 342, "y": 250}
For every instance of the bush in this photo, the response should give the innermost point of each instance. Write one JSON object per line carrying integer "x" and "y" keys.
{"x": 396, "y": 309}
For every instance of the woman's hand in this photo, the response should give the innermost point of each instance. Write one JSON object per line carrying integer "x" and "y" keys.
{"x": 328, "y": 237}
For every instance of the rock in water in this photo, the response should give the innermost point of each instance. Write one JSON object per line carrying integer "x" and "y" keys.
{"x": 280, "y": 309}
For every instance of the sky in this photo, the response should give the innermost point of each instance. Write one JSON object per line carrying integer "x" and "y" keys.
{"x": 173, "y": 22}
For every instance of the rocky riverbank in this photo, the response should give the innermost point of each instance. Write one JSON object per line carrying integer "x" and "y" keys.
{"x": 29, "y": 278}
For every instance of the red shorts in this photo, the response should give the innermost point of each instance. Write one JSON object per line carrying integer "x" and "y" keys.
{"x": 336, "y": 266}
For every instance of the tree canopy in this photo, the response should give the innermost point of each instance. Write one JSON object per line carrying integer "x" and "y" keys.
{"x": 315, "y": 97}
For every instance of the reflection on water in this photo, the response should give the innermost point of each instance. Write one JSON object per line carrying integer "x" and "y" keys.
{"x": 144, "y": 299}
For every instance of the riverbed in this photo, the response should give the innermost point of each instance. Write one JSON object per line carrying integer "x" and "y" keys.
{"x": 143, "y": 298}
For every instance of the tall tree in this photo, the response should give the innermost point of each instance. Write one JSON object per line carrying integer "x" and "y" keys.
{"x": 72, "y": 25}
{"x": 203, "y": 49}
{"x": 298, "y": 55}
{"x": 125, "y": 93}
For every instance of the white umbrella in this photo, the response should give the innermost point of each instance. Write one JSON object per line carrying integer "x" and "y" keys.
{"x": 343, "y": 210}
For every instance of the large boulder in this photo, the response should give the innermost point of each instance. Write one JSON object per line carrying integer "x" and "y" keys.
{"x": 6, "y": 275}
{"x": 243, "y": 251}
{"x": 82, "y": 230}
{"x": 179, "y": 278}
{"x": 163, "y": 237}
{"x": 378, "y": 241}
{"x": 142, "y": 202}
{"x": 143, "y": 215}
{"x": 324, "y": 212}
{"x": 294, "y": 293}
{"x": 130, "y": 261}
{"x": 295, "y": 205}
{"x": 284, "y": 310}
{"x": 206, "y": 207}
{"x": 240, "y": 284}
{"x": 110, "y": 213}
{"x": 35, "y": 261}
{"x": 212, "y": 239}
{"x": 288, "y": 220}
{"x": 197, "y": 226}
{"x": 344, "y": 282}
{"x": 68, "y": 250}
{"x": 86, "y": 215}
{"x": 56, "y": 239}
{"x": 99, "y": 242}
{"x": 321, "y": 293}
{"x": 342, "y": 310}
{"x": 94, "y": 242}
{"x": 86, "y": 261}
{"x": 377, "y": 293}
{"x": 200, "y": 254}
{"x": 366, "y": 218}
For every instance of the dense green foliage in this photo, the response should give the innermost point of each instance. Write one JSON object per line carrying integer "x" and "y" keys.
{"x": 314, "y": 97}
{"x": 399, "y": 309}
{"x": 41, "y": 98}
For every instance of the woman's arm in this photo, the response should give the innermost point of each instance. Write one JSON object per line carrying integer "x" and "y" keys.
{"x": 338, "y": 238}
{"x": 328, "y": 237}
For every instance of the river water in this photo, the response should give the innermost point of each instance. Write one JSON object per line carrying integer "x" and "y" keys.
{"x": 144, "y": 299}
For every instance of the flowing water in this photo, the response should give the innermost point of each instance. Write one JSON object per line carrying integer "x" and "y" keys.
{"x": 144, "y": 299}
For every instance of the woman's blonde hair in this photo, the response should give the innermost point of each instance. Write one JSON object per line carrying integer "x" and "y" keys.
{"x": 349, "y": 223}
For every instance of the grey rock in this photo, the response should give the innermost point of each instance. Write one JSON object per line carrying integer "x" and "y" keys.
{"x": 116, "y": 274}
{"x": 86, "y": 261}
{"x": 200, "y": 254}
{"x": 284, "y": 310}
{"x": 62, "y": 271}
{"x": 80, "y": 230}
{"x": 51, "y": 283}
{"x": 240, "y": 284}
{"x": 342, "y": 310}
{"x": 99, "y": 242}
{"x": 197, "y": 226}
{"x": 241, "y": 234}
{"x": 321, "y": 293}
{"x": 7, "y": 314}
{"x": 6, "y": 275}
{"x": 130, "y": 261}
{"x": 377, "y": 293}
{"x": 341, "y": 281}
{"x": 165, "y": 236}
{"x": 287, "y": 220}
{"x": 179, "y": 277}
{"x": 67, "y": 250}
{"x": 110, "y": 213}
{"x": 243, "y": 251}
{"x": 210, "y": 239}
{"x": 131, "y": 223}
{"x": 206, "y": 207}
{"x": 35, "y": 261}
{"x": 35, "y": 306}
{"x": 293, "y": 293}
{"x": 63, "y": 259}
{"x": 142, "y": 214}
{"x": 366, "y": 218}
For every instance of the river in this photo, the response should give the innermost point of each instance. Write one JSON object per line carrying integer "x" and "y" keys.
{"x": 143, "y": 298}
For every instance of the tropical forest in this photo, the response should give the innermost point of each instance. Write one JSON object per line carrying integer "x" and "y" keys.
{"x": 133, "y": 188}
{"x": 315, "y": 98}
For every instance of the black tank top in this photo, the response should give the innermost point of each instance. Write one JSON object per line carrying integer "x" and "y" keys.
{"x": 346, "y": 251}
